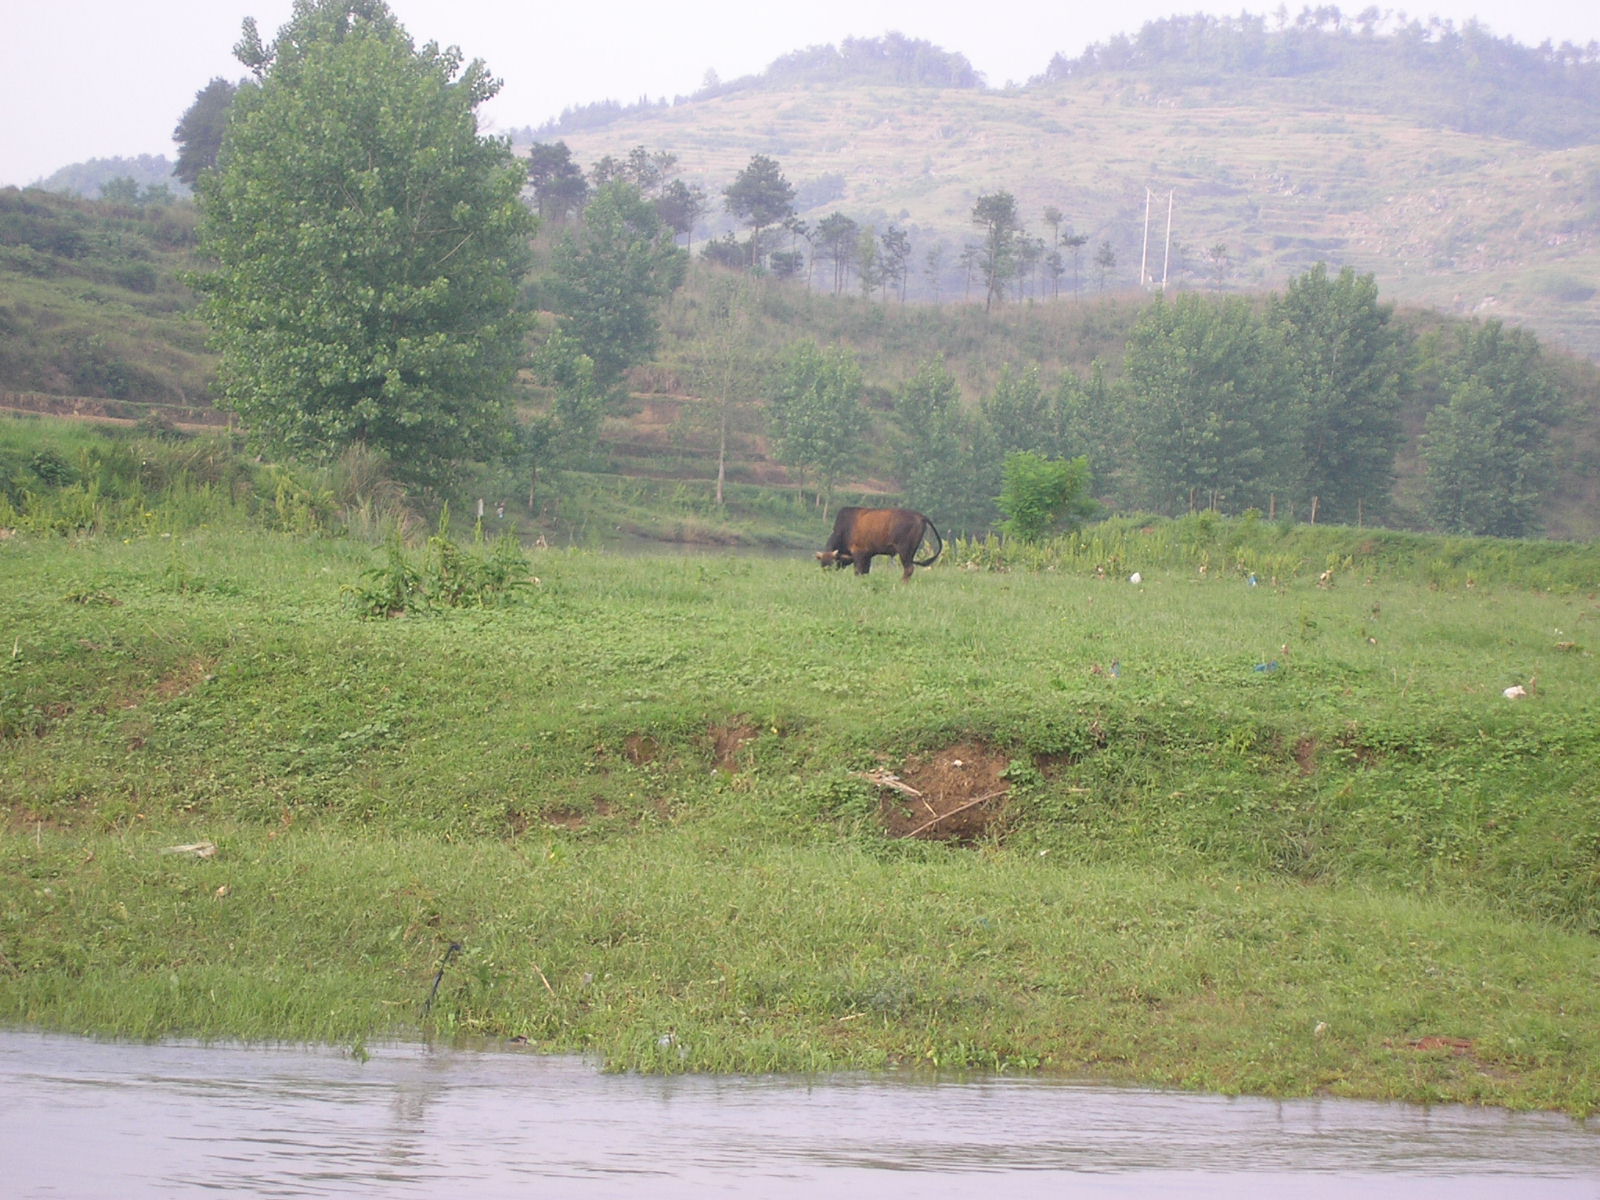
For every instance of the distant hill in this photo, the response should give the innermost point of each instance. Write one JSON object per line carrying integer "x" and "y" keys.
{"x": 88, "y": 179}
{"x": 1463, "y": 78}
{"x": 1462, "y": 170}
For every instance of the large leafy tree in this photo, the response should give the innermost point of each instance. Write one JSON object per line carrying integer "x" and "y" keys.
{"x": 1487, "y": 446}
{"x": 1350, "y": 358}
{"x": 610, "y": 274}
{"x": 199, "y": 131}
{"x": 368, "y": 245}
{"x": 1211, "y": 411}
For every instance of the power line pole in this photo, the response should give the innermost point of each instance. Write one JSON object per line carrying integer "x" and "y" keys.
{"x": 1145, "y": 278}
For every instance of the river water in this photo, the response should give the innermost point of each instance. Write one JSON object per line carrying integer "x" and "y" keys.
{"x": 81, "y": 1118}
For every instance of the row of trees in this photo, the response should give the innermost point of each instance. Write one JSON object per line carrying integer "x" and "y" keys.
{"x": 1293, "y": 409}
{"x": 1006, "y": 259}
{"x": 1431, "y": 72}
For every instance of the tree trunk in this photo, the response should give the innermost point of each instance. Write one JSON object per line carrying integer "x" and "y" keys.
{"x": 722, "y": 452}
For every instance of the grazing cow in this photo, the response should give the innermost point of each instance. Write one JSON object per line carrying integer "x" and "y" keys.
{"x": 860, "y": 533}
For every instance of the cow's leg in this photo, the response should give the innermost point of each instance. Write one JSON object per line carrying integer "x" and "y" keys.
{"x": 906, "y": 560}
{"x": 863, "y": 560}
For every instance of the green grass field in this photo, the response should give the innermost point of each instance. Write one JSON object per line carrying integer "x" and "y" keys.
{"x": 1282, "y": 838}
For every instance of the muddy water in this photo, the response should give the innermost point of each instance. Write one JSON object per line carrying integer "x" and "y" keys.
{"x": 88, "y": 1119}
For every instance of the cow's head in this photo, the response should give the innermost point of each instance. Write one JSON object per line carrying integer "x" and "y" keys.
{"x": 833, "y": 558}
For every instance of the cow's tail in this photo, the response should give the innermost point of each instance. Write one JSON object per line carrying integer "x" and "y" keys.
{"x": 938, "y": 550}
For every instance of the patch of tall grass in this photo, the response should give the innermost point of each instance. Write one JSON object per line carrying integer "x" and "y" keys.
{"x": 1250, "y": 547}
{"x": 74, "y": 479}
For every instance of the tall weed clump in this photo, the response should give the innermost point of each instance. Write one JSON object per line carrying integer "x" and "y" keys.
{"x": 60, "y": 478}
{"x": 443, "y": 575}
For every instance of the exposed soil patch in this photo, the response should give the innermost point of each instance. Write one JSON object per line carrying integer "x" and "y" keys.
{"x": 728, "y": 741}
{"x": 573, "y": 817}
{"x": 640, "y": 748}
{"x": 1305, "y": 754}
{"x": 179, "y": 681}
{"x": 957, "y": 794}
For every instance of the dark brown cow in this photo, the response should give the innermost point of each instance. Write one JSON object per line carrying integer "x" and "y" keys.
{"x": 861, "y": 533}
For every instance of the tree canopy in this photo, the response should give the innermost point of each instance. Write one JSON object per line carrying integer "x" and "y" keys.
{"x": 759, "y": 197}
{"x": 368, "y": 245}
{"x": 609, "y": 275}
{"x": 199, "y": 131}
{"x": 1349, "y": 357}
{"x": 1487, "y": 445}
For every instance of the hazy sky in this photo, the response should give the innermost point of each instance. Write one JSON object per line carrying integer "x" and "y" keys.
{"x": 86, "y": 79}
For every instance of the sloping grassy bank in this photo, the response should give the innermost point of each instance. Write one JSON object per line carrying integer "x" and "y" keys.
{"x": 1274, "y": 839}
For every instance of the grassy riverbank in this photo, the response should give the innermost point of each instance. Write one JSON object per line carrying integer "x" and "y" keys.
{"x": 1280, "y": 838}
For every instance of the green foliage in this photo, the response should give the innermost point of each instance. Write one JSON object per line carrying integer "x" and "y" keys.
{"x": 369, "y": 244}
{"x": 199, "y": 132}
{"x": 1017, "y": 412}
{"x": 1212, "y": 413}
{"x": 759, "y": 197}
{"x": 62, "y": 478}
{"x": 1043, "y": 496}
{"x": 445, "y": 575}
{"x": 559, "y": 186}
{"x": 1351, "y": 359}
{"x": 610, "y": 275}
{"x": 151, "y": 173}
{"x": 817, "y": 416}
{"x": 1463, "y": 77}
{"x": 566, "y": 434}
{"x": 995, "y": 213}
{"x": 947, "y": 460}
{"x": 892, "y": 59}
{"x": 1487, "y": 446}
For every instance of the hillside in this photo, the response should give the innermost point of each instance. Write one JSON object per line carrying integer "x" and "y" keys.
{"x": 92, "y": 307}
{"x": 1268, "y": 171}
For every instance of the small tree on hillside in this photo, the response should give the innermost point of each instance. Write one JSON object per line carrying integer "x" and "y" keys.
{"x": 568, "y": 432}
{"x": 997, "y": 258}
{"x": 759, "y": 197}
{"x": 838, "y": 239}
{"x": 559, "y": 186}
{"x": 817, "y": 416}
{"x": 896, "y": 256}
{"x": 681, "y": 206}
{"x": 1042, "y": 496}
{"x": 1105, "y": 261}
